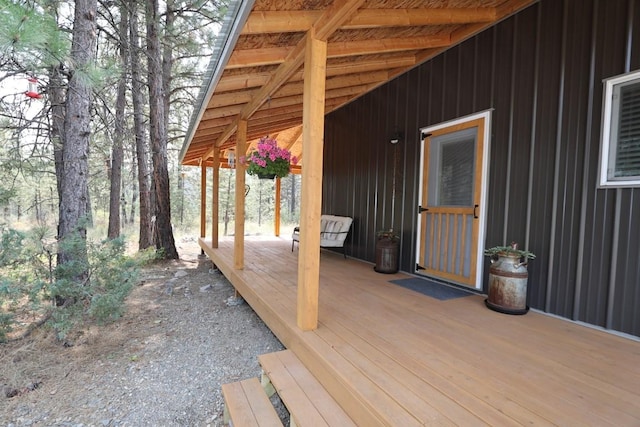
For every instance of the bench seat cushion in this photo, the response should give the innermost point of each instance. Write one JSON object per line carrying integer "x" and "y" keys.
{"x": 333, "y": 231}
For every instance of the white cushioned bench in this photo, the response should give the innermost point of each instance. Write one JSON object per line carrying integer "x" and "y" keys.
{"x": 333, "y": 232}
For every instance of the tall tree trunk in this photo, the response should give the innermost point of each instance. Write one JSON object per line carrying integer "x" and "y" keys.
{"x": 138, "y": 99}
{"x": 134, "y": 189}
{"x": 117, "y": 153}
{"x": 56, "y": 128}
{"x": 123, "y": 204}
{"x": 56, "y": 91}
{"x": 167, "y": 56}
{"x": 52, "y": 206}
{"x": 75, "y": 147}
{"x": 158, "y": 136}
{"x": 37, "y": 202}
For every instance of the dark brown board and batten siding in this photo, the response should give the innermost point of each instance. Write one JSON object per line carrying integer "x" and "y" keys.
{"x": 541, "y": 73}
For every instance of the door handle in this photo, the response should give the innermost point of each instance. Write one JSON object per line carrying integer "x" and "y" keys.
{"x": 475, "y": 208}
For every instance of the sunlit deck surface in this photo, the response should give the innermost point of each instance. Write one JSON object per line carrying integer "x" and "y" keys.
{"x": 391, "y": 356}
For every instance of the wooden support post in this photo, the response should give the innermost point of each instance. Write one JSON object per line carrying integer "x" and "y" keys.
{"x": 203, "y": 199}
{"x": 238, "y": 238}
{"x": 215, "y": 199}
{"x": 315, "y": 68}
{"x": 277, "y": 207}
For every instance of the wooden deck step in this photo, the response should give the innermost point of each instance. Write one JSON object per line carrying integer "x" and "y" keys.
{"x": 306, "y": 399}
{"x": 247, "y": 405}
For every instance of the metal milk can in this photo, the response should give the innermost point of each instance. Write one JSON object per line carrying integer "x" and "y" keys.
{"x": 508, "y": 284}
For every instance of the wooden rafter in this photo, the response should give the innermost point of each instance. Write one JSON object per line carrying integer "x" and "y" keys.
{"x": 300, "y": 21}
{"x": 277, "y": 55}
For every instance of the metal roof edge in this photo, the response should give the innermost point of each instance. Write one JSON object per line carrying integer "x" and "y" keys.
{"x": 232, "y": 25}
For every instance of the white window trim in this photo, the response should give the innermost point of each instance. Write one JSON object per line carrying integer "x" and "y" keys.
{"x": 605, "y": 146}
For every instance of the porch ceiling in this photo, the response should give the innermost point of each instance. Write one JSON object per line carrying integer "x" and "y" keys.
{"x": 256, "y": 71}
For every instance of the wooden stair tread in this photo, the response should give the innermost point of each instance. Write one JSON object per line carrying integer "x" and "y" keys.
{"x": 307, "y": 400}
{"x": 247, "y": 405}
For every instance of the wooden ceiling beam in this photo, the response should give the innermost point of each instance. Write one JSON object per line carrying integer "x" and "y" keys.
{"x": 294, "y": 110}
{"x": 227, "y": 111}
{"x": 277, "y": 55}
{"x": 258, "y": 130}
{"x": 338, "y": 67}
{"x": 285, "y": 113}
{"x": 267, "y": 112}
{"x": 334, "y": 17}
{"x": 291, "y": 21}
{"x": 264, "y": 123}
{"x": 231, "y": 98}
{"x": 300, "y": 21}
{"x": 254, "y": 80}
{"x": 375, "y": 18}
{"x": 337, "y": 82}
{"x": 241, "y": 58}
{"x": 242, "y": 81}
{"x": 296, "y": 99}
{"x": 372, "y": 47}
{"x": 215, "y": 123}
{"x": 363, "y": 65}
{"x": 208, "y": 133}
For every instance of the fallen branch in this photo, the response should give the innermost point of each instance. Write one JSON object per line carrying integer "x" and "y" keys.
{"x": 32, "y": 327}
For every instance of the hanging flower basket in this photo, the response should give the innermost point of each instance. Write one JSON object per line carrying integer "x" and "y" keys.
{"x": 269, "y": 160}
{"x": 268, "y": 176}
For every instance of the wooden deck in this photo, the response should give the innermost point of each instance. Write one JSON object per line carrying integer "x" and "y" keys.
{"x": 391, "y": 356}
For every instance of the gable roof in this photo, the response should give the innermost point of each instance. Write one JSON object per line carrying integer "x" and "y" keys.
{"x": 255, "y": 73}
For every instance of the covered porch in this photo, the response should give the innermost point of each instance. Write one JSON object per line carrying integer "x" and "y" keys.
{"x": 392, "y": 356}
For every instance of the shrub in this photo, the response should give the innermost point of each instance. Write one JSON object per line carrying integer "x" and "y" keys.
{"x": 70, "y": 293}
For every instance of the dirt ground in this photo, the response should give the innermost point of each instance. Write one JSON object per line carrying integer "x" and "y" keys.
{"x": 183, "y": 335}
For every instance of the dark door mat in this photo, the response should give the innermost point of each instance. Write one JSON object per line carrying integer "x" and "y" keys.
{"x": 431, "y": 288}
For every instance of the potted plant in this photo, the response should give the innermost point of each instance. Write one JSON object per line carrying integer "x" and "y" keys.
{"x": 387, "y": 248}
{"x": 268, "y": 160}
{"x": 508, "y": 278}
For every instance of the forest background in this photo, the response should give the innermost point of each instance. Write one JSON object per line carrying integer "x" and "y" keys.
{"x": 95, "y": 99}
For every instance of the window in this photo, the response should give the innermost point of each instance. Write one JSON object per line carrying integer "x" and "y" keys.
{"x": 451, "y": 168}
{"x": 620, "y": 155}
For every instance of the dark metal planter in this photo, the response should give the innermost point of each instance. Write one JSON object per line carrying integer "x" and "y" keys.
{"x": 387, "y": 259}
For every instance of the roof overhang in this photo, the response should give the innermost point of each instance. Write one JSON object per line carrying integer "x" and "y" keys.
{"x": 255, "y": 73}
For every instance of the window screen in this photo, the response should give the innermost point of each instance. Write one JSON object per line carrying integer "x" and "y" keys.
{"x": 627, "y": 153}
{"x": 620, "y": 159}
{"x": 452, "y": 163}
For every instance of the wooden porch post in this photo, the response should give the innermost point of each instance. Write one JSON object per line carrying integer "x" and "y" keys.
{"x": 238, "y": 238}
{"x": 203, "y": 199}
{"x": 277, "y": 207}
{"x": 311, "y": 205}
{"x": 215, "y": 198}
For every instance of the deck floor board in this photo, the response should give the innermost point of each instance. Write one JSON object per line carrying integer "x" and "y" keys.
{"x": 392, "y": 356}
{"x": 521, "y": 365}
